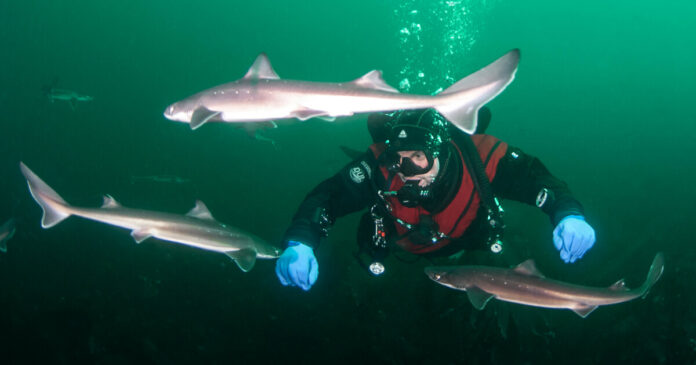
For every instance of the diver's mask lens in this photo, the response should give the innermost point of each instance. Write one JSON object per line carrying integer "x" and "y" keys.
{"x": 406, "y": 166}
{"x": 410, "y": 168}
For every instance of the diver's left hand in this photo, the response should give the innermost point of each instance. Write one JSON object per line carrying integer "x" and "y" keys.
{"x": 573, "y": 237}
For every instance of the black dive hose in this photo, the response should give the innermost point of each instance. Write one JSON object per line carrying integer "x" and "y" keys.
{"x": 478, "y": 173}
{"x": 474, "y": 165}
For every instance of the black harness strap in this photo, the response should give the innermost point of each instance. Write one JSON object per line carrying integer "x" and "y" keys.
{"x": 476, "y": 169}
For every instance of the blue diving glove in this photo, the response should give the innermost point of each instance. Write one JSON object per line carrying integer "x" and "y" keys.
{"x": 297, "y": 266}
{"x": 573, "y": 237}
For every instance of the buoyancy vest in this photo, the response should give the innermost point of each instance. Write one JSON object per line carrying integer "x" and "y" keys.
{"x": 457, "y": 216}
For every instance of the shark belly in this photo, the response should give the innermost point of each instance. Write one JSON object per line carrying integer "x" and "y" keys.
{"x": 184, "y": 231}
{"x": 199, "y": 239}
{"x": 276, "y": 100}
{"x": 551, "y": 294}
{"x": 540, "y": 301}
{"x": 348, "y": 103}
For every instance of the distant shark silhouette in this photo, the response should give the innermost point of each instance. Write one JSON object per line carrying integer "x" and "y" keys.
{"x": 54, "y": 94}
{"x": 7, "y": 231}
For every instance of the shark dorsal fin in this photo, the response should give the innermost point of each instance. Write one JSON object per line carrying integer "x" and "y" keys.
{"x": 261, "y": 69}
{"x": 374, "y": 80}
{"x": 619, "y": 286}
{"x": 528, "y": 268}
{"x": 200, "y": 211}
{"x": 110, "y": 202}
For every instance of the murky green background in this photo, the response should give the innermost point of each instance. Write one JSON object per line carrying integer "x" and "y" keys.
{"x": 604, "y": 96}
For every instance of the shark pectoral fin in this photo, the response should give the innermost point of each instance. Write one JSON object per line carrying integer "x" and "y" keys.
{"x": 478, "y": 297}
{"x": 73, "y": 103}
{"x": 245, "y": 258}
{"x": 373, "y": 80}
{"x": 305, "y": 114}
{"x": 584, "y": 311}
{"x": 140, "y": 235}
{"x": 200, "y": 116}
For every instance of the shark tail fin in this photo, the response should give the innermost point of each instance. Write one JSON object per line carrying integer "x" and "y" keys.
{"x": 55, "y": 209}
{"x": 656, "y": 269}
{"x": 461, "y": 102}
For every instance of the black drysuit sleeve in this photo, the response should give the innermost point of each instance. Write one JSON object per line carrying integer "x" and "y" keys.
{"x": 348, "y": 191}
{"x": 524, "y": 178}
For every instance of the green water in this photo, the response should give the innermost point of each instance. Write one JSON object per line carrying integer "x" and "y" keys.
{"x": 603, "y": 96}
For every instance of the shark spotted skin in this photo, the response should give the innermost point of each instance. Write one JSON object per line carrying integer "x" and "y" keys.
{"x": 262, "y": 96}
{"x": 198, "y": 228}
{"x": 526, "y": 285}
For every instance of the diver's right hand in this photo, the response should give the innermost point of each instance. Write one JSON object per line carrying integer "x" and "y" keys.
{"x": 297, "y": 266}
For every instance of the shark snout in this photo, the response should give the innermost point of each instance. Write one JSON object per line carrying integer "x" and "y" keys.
{"x": 169, "y": 112}
{"x": 179, "y": 112}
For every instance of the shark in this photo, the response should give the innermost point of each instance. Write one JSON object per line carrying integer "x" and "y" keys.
{"x": 198, "y": 228}
{"x": 257, "y": 131}
{"x": 524, "y": 284}
{"x": 167, "y": 179}
{"x": 7, "y": 231}
{"x": 70, "y": 96}
{"x": 262, "y": 96}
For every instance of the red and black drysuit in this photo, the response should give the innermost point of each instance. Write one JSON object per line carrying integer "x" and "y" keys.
{"x": 454, "y": 206}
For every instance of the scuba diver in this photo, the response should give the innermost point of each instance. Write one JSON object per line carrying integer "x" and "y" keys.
{"x": 431, "y": 190}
